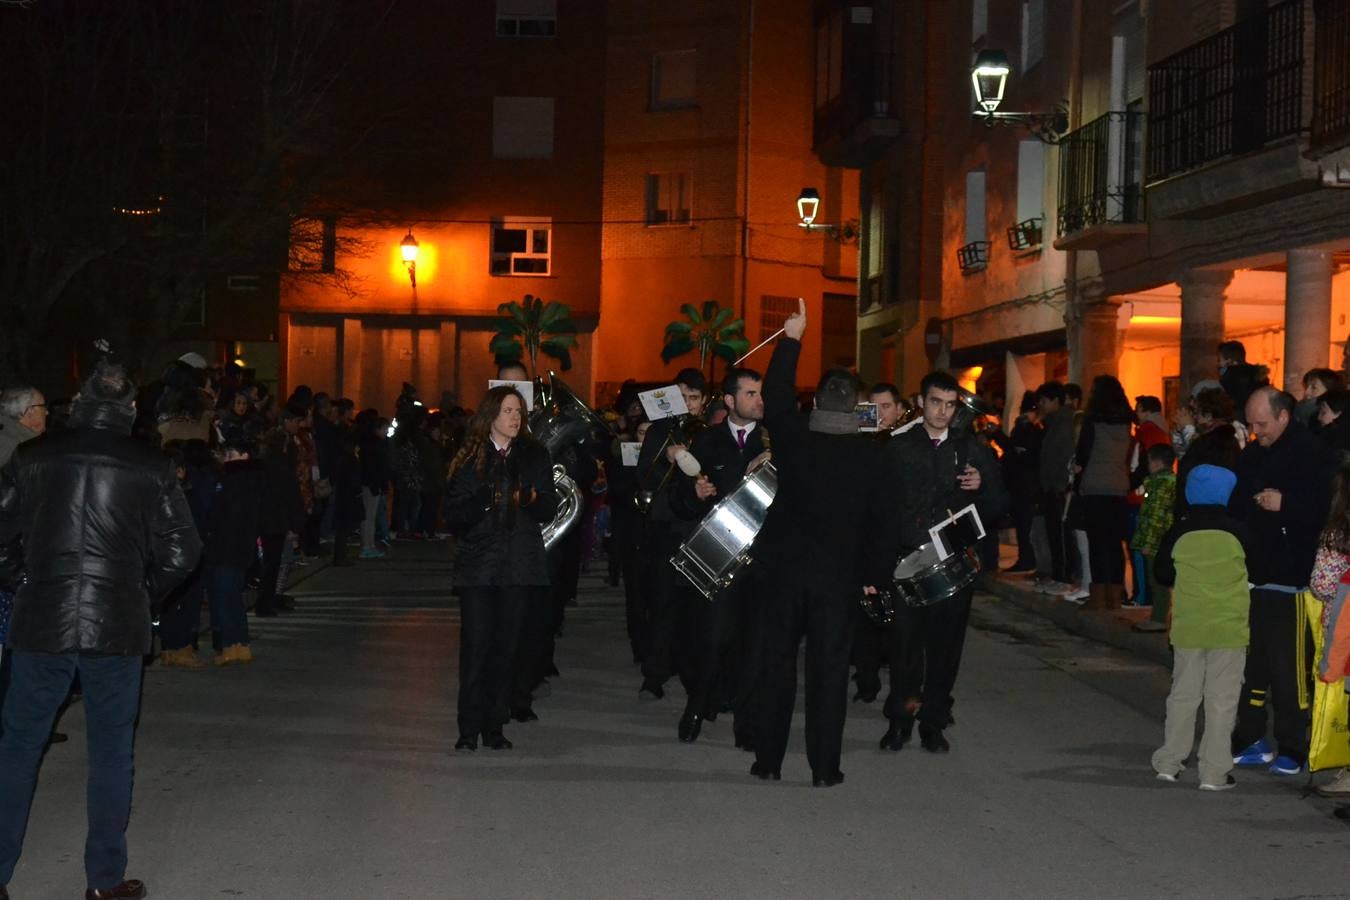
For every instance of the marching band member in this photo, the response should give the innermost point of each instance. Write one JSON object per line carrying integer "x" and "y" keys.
{"x": 501, "y": 492}
{"x": 812, "y": 552}
{"x": 722, "y": 652}
{"x": 665, "y": 531}
{"x": 937, "y": 471}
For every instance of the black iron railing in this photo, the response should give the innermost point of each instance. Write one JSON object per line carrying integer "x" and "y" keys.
{"x": 1100, "y": 173}
{"x": 1331, "y": 73}
{"x": 865, "y": 94}
{"x": 973, "y": 257}
{"x": 1230, "y": 93}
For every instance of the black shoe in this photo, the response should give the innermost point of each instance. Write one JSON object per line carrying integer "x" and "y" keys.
{"x": 865, "y": 695}
{"x": 466, "y": 745}
{"x": 57, "y": 737}
{"x": 931, "y": 739}
{"x": 650, "y": 690}
{"x": 835, "y": 777}
{"x": 764, "y": 773}
{"x": 524, "y": 714}
{"x": 496, "y": 741}
{"x": 690, "y": 726}
{"x": 745, "y": 742}
{"x": 896, "y": 736}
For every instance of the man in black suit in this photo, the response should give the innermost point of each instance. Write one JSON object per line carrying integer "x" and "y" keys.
{"x": 721, "y": 657}
{"x": 940, "y": 469}
{"x": 815, "y": 555}
{"x": 664, "y": 532}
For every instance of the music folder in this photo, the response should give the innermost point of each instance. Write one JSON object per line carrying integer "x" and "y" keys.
{"x": 958, "y": 532}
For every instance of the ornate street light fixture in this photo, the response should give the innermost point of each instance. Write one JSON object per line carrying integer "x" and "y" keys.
{"x": 989, "y": 76}
{"x": 808, "y": 205}
{"x": 409, "y": 247}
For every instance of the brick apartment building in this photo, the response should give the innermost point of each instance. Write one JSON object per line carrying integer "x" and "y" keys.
{"x": 1196, "y": 194}
{"x": 622, "y": 158}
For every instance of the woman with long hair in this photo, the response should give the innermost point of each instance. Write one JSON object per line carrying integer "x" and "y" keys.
{"x": 1102, "y": 462}
{"x": 500, "y": 493}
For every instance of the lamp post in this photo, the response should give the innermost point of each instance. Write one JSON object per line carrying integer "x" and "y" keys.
{"x": 989, "y": 76}
{"x": 409, "y": 247}
{"x": 808, "y": 205}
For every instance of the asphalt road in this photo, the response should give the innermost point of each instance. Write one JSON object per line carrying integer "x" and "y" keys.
{"x": 325, "y": 770}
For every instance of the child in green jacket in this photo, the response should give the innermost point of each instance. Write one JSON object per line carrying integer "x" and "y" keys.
{"x": 1155, "y": 518}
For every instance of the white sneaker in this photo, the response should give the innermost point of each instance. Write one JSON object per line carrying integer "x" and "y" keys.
{"x": 1228, "y": 784}
{"x": 1169, "y": 777}
{"x": 1075, "y": 595}
{"x": 1338, "y": 786}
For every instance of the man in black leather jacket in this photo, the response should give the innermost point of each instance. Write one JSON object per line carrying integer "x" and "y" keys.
{"x": 106, "y": 534}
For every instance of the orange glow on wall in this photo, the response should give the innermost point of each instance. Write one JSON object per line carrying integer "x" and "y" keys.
{"x": 427, "y": 258}
{"x": 969, "y": 377}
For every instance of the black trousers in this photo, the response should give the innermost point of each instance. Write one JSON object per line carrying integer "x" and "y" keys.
{"x": 429, "y": 513}
{"x": 489, "y": 633}
{"x": 664, "y": 587}
{"x": 1023, "y": 514}
{"x": 1052, "y": 510}
{"x": 309, "y": 537}
{"x": 1272, "y": 674}
{"x": 272, "y": 546}
{"x": 1104, "y": 522}
{"x": 925, "y": 644}
{"x": 721, "y": 647}
{"x": 794, "y": 604}
{"x": 868, "y": 651}
{"x": 625, "y": 550}
{"x": 182, "y": 613}
{"x": 529, "y": 668}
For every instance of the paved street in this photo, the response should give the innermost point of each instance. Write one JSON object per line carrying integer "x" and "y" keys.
{"x": 325, "y": 770}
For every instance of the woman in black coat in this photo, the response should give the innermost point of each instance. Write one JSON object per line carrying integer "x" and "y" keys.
{"x": 500, "y": 494}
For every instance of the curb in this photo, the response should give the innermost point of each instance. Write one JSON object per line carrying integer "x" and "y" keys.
{"x": 1109, "y": 628}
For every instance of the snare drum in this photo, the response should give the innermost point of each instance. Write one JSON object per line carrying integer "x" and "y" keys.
{"x": 720, "y": 546}
{"x": 922, "y": 579}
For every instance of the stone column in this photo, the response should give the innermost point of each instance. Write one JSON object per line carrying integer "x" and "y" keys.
{"x": 1093, "y": 338}
{"x": 1202, "y": 299}
{"x": 1307, "y": 315}
{"x": 349, "y": 345}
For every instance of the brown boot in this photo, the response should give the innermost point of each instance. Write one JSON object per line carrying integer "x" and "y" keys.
{"x": 184, "y": 658}
{"x": 1096, "y": 598}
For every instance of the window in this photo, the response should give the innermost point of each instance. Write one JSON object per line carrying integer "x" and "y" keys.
{"x": 1128, "y": 44}
{"x": 975, "y": 228}
{"x": 1033, "y": 32}
{"x": 979, "y": 19}
{"x": 527, "y": 18}
{"x": 522, "y": 127}
{"x": 773, "y": 312}
{"x": 668, "y": 199}
{"x": 829, "y": 57}
{"x": 674, "y": 79}
{"x": 521, "y": 246}
{"x": 1030, "y": 180}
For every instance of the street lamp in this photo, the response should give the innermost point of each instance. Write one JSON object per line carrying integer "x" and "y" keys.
{"x": 808, "y": 205}
{"x": 409, "y": 247}
{"x": 989, "y": 76}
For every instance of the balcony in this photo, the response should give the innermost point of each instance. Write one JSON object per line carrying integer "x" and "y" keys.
{"x": 854, "y": 127}
{"x": 1100, "y": 174}
{"x": 1331, "y": 79}
{"x": 1227, "y": 113}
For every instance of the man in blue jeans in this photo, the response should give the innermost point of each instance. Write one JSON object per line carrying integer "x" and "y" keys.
{"x": 106, "y": 533}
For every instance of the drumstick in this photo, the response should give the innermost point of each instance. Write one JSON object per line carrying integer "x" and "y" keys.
{"x": 752, "y": 350}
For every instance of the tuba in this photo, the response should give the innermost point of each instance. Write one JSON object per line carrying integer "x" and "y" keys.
{"x": 570, "y": 507}
{"x": 559, "y": 420}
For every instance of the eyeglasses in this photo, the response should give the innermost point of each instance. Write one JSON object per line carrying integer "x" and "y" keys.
{"x": 36, "y": 406}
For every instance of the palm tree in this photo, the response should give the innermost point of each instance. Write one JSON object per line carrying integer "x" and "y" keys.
{"x": 711, "y": 331}
{"x": 532, "y": 326}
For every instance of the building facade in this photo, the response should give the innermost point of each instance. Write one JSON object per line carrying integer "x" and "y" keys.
{"x": 623, "y": 158}
{"x": 1193, "y": 194}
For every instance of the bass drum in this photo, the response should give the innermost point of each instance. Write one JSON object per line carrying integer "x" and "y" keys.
{"x": 922, "y": 579}
{"x": 720, "y": 546}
